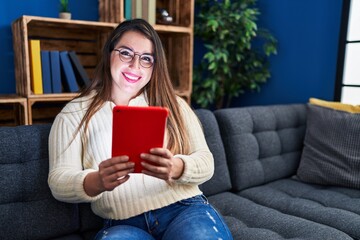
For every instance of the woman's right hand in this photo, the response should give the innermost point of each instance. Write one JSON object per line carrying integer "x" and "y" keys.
{"x": 112, "y": 173}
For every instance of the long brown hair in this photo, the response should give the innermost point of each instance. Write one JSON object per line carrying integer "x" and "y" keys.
{"x": 159, "y": 90}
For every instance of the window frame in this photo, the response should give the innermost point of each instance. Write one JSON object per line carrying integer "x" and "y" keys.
{"x": 343, "y": 42}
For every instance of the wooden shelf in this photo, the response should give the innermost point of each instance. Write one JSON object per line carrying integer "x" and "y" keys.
{"x": 56, "y": 22}
{"x": 20, "y": 109}
{"x": 12, "y": 98}
{"x": 52, "y": 97}
{"x": 84, "y": 37}
{"x": 87, "y": 39}
{"x": 172, "y": 29}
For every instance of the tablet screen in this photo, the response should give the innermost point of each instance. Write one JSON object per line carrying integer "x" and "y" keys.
{"x": 136, "y": 130}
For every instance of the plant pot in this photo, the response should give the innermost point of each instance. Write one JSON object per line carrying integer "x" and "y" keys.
{"x": 65, "y": 15}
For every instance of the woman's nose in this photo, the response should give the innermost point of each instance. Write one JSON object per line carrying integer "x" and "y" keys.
{"x": 135, "y": 62}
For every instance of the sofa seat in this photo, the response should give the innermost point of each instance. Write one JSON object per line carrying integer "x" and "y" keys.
{"x": 255, "y": 221}
{"x": 331, "y": 206}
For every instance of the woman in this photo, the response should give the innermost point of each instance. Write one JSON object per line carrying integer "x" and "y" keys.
{"x": 162, "y": 203}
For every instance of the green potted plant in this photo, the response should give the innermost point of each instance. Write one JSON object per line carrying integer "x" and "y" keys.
{"x": 236, "y": 51}
{"x": 64, "y": 11}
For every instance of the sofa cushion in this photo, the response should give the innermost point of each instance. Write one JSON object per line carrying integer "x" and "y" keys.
{"x": 90, "y": 224}
{"x": 331, "y": 154}
{"x": 220, "y": 182}
{"x": 336, "y": 105}
{"x": 249, "y": 220}
{"x": 28, "y": 210}
{"x": 332, "y": 206}
{"x": 262, "y": 143}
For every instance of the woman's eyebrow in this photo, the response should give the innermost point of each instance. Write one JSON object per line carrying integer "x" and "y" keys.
{"x": 122, "y": 46}
{"x": 146, "y": 53}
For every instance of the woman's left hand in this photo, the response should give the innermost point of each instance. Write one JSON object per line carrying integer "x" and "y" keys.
{"x": 160, "y": 163}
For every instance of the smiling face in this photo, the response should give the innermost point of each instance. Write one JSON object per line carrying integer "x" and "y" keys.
{"x": 129, "y": 78}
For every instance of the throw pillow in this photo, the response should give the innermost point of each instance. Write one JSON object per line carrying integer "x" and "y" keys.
{"x": 331, "y": 154}
{"x": 336, "y": 105}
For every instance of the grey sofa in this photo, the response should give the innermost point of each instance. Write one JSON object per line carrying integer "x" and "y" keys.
{"x": 257, "y": 152}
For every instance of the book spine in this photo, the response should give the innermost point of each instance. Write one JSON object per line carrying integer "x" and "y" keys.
{"x": 36, "y": 72}
{"x": 127, "y": 9}
{"x": 79, "y": 70}
{"x": 133, "y": 8}
{"x": 46, "y": 71}
{"x": 152, "y": 12}
{"x": 68, "y": 79}
{"x": 145, "y": 10}
{"x": 55, "y": 71}
{"x": 137, "y": 8}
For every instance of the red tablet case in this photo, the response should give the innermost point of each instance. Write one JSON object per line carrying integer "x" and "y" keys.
{"x": 136, "y": 130}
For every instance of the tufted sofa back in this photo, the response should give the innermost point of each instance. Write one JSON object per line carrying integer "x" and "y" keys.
{"x": 28, "y": 209}
{"x": 220, "y": 182}
{"x": 262, "y": 143}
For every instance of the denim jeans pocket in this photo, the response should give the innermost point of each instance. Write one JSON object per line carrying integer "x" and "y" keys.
{"x": 196, "y": 200}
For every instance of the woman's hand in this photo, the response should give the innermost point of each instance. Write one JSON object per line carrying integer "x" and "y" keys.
{"x": 160, "y": 163}
{"x": 112, "y": 172}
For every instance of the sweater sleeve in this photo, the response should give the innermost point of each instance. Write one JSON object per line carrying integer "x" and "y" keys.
{"x": 66, "y": 173}
{"x": 199, "y": 164}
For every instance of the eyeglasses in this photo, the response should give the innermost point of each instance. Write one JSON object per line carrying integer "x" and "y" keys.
{"x": 126, "y": 55}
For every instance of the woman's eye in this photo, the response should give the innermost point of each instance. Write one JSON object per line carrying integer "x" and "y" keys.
{"x": 125, "y": 53}
{"x": 147, "y": 58}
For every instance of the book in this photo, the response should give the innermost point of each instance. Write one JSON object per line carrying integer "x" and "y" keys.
{"x": 55, "y": 71}
{"x": 136, "y": 9}
{"x": 35, "y": 70}
{"x": 127, "y": 9}
{"x": 152, "y": 12}
{"x": 149, "y": 11}
{"x": 80, "y": 73}
{"x": 68, "y": 78}
{"x": 46, "y": 71}
{"x": 144, "y": 9}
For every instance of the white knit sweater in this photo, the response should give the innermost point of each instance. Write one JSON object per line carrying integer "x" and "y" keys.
{"x": 71, "y": 161}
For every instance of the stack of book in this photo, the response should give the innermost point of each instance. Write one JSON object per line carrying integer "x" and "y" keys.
{"x": 55, "y": 71}
{"x": 110, "y": 10}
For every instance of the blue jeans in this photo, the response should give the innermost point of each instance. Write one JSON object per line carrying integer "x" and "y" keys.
{"x": 192, "y": 218}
